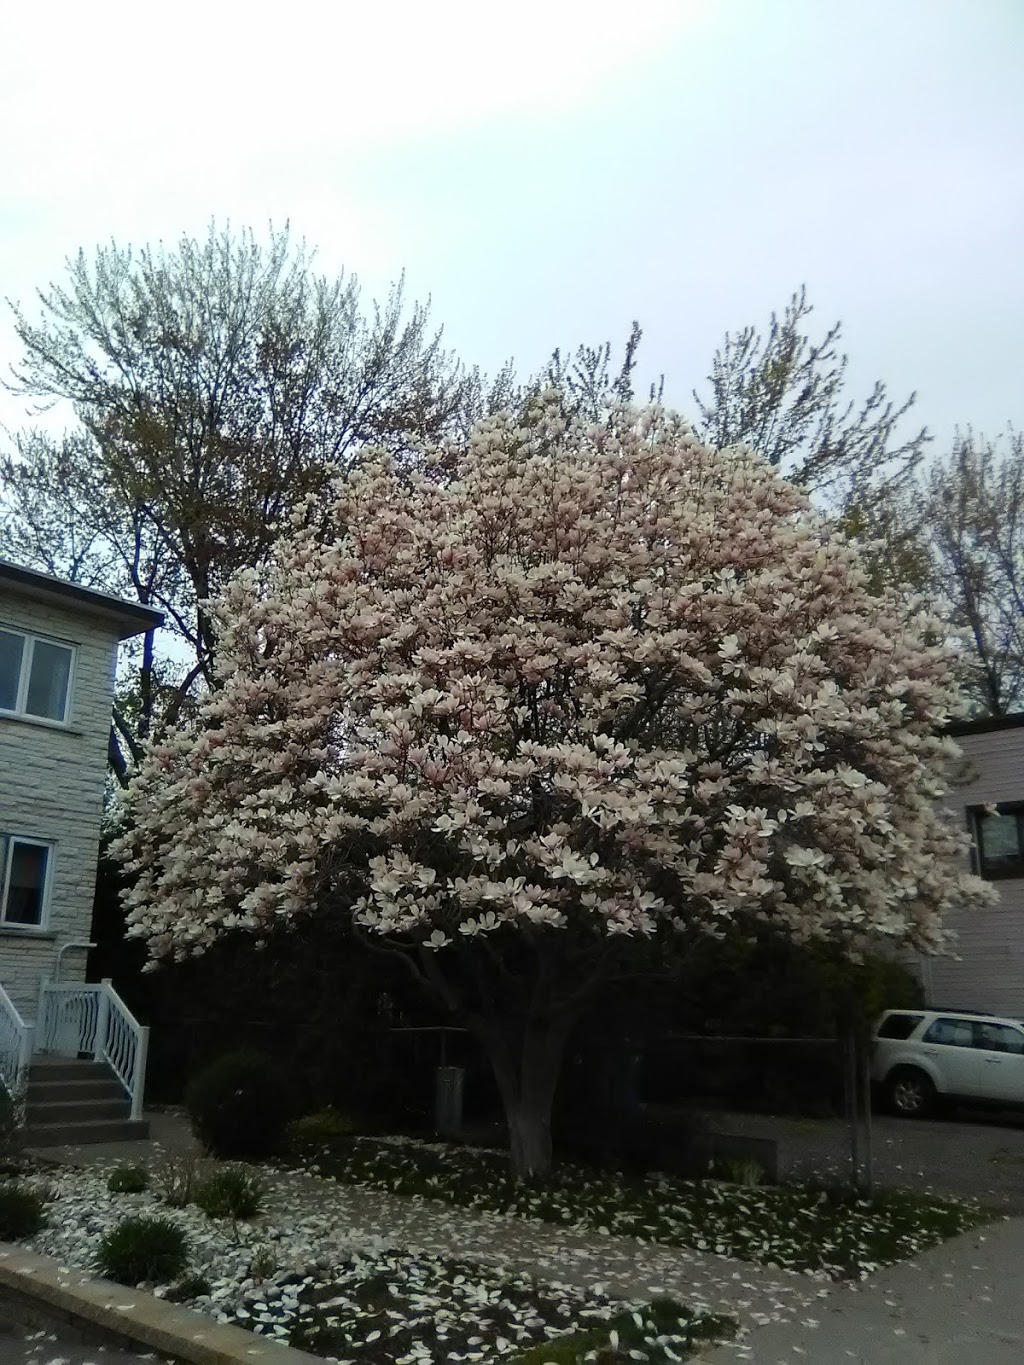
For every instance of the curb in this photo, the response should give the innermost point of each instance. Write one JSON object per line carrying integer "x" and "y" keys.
{"x": 41, "y": 1284}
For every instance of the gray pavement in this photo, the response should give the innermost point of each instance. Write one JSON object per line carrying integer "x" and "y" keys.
{"x": 58, "y": 1345}
{"x": 958, "y": 1304}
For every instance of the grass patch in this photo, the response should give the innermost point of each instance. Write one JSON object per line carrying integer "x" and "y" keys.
{"x": 796, "y": 1227}
{"x": 395, "y": 1307}
{"x": 662, "y": 1332}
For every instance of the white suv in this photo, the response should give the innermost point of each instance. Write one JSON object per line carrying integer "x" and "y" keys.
{"x": 923, "y": 1056}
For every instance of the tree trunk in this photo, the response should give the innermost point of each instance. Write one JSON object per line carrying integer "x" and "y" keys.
{"x": 529, "y": 1137}
{"x": 527, "y": 1068}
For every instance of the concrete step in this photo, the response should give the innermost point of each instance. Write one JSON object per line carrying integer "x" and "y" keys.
{"x": 76, "y": 1111}
{"x": 66, "y": 1069}
{"x": 68, "y": 1134}
{"x": 61, "y": 1092}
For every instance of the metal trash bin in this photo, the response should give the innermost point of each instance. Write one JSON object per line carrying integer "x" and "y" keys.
{"x": 448, "y": 1091}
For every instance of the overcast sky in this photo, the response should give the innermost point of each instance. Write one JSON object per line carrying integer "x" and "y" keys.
{"x": 548, "y": 171}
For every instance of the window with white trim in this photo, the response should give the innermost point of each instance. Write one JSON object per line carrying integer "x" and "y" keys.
{"x": 998, "y": 851}
{"x": 35, "y": 675}
{"x": 24, "y": 880}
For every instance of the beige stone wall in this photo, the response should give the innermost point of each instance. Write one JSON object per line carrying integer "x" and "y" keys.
{"x": 51, "y": 787}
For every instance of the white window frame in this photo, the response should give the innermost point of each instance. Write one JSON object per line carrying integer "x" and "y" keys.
{"x": 6, "y": 840}
{"x": 27, "y": 653}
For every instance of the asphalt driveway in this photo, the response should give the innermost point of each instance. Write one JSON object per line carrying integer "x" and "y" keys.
{"x": 975, "y": 1153}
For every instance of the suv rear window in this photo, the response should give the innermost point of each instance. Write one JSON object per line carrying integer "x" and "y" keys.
{"x": 899, "y": 1025}
{"x": 950, "y": 1033}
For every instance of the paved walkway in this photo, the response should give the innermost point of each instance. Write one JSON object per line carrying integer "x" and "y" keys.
{"x": 959, "y": 1304}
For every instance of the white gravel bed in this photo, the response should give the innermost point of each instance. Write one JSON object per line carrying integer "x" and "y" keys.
{"x": 305, "y": 1276}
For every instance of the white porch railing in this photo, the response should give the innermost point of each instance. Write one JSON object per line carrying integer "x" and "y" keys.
{"x": 90, "y": 1018}
{"x": 15, "y": 1045}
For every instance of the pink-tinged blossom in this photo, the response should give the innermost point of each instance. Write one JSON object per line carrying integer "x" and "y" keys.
{"x": 593, "y": 678}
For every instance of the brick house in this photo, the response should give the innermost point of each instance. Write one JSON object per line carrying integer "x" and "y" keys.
{"x": 988, "y": 972}
{"x": 58, "y": 655}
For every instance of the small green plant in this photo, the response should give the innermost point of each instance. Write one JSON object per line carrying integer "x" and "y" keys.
{"x": 263, "y": 1264}
{"x": 142, "y": 1250}
{"x": 191, "y": 1287}
{"x": 239, "y": 1106}
{"x": 175, "y": 1178}
{"x": 21, "y": 1212}
{"x": 570, "y": 1349}
{"x": 12, "y": 1118}
{"x": 325, "y": 1126}
{"x": 229, "y": 1193}
{"x": 128, "y": 1180}
{"x": 740, "y": 1171}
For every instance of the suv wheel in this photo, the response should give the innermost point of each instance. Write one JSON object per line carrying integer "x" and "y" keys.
{"x": 911, "y": 1093}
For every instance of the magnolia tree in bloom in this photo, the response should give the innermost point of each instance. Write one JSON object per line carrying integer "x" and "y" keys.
{"x": 562, "y": 690}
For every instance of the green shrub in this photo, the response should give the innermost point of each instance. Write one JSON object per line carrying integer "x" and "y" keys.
{"x": 128, "y": 1180}
{"x": 239, "y": 1105}
{"x": 229, "y": 1194}
{"x": 175, "y": 1178}
{"x": 21, "y": 1213}
{"x": 142, "y": 1249}
{"x": 325, "y": 1126}
{"x": 12, "y": 1133}
{"x": 740, "y": 1171}
{"x": 264, "y": 1263}
{"x": 191, "y": 1287}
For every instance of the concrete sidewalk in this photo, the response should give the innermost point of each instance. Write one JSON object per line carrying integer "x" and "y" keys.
{"x": 169, "y": 1132}
{"x": 961, "y": 1303}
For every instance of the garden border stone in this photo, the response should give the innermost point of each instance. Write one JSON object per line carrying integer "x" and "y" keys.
{"x": 41, "y": 1285}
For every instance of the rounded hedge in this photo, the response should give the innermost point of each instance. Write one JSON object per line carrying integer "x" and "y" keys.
{"x": 239, "y": 1105}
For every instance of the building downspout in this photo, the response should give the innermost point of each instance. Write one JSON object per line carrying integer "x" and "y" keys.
{"x": 63, "y": 949}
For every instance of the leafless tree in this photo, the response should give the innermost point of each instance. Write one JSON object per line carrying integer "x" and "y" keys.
{"x": 973, "y": 503}
{"x": 785, "y": 394}
{"x": 215, "y": 386}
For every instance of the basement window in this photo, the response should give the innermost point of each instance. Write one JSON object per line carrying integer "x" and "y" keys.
{"x": 24, "y": 881}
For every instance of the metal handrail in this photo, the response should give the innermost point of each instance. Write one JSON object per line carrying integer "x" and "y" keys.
{"x": 15, "y": 1044}
{"x": 125, "y": 1046}
{"x": 90, "y": 1017}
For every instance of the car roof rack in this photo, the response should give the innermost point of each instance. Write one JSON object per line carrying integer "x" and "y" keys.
{"x": 958, "y": 1009}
